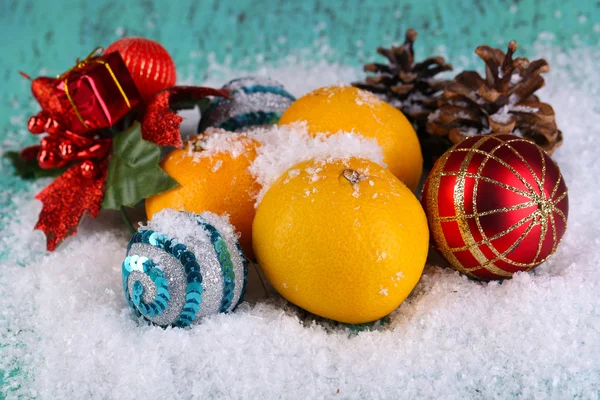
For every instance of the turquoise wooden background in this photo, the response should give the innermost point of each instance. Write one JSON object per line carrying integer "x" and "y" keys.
{"x": 45, "y": 37}
{"x": 41, "y": 36}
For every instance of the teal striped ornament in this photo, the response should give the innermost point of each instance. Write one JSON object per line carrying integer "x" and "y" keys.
{"x": 252, "y": 102}
{"x": 175, "y": 281}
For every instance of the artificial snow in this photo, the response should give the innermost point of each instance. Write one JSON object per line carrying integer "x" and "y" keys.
{"x": 525, "y": 109}
{"x": 503, "y": 115}
{"x": 368, "y": 99}
{"x": 67, "y": 332}
{"x": 185, "y": 229}
{"x": 515, "y": 78}
{"x": 282, "y": 147}
{"x": 470, "y": 131}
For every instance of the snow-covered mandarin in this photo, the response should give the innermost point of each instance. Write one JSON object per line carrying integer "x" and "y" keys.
{"x": 341, "y": 238}
{"x": 334, "y": 109}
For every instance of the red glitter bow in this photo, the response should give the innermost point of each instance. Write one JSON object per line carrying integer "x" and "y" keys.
{"x": 79, "y": 189}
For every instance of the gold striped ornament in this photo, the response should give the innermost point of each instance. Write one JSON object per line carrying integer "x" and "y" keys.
{"x": 496, "y": 204}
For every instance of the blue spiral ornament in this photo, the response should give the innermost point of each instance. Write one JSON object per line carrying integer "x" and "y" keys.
{"x": 252, "y": 102}
{"x": 182, "y": 267}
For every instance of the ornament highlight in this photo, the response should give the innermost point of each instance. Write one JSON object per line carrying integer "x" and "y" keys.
{"x": 496, "y": 205}
{"x": 344, "y": 239}
{"x": 252, "y": 102}
{"x": 150, "y": 65}
{"x": 336, "y": 109}
{"x": 182, "y": 267}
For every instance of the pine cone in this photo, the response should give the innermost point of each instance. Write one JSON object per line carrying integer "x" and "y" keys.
{"x": 410, "y": 87}
{"x": 503, "y": 102}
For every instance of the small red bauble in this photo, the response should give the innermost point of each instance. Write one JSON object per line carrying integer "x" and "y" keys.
{"x": 149, "y": 64}
{"x": 37, "y": 124}
{"x": 496, "y": 205}
{"x": 88, "y": 169}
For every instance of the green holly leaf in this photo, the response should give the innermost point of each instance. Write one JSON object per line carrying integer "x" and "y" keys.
{"x": 30, "y": 169}
{"x": 133, "y": 172}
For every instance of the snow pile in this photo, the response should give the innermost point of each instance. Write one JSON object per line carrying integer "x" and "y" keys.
{"x": 281, "y": 147}
{"x": 66, "y": 331}
{"x": 185, "y": 229}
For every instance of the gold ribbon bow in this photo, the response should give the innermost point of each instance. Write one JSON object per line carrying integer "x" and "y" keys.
{"x": 92, "y": 57}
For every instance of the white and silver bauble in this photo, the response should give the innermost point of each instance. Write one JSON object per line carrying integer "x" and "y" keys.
{"x": 182, "y": 267}
{"x": 252, "y": 101}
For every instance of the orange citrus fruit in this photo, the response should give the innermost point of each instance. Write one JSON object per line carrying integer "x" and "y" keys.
{"x": 345, "y": 108}
{"x": 343, "y": 239}
{"x": 216, "y": 180}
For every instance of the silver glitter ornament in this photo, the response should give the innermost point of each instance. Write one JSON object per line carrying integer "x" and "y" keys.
{"x": 182, "y": 267}
{"x": 252, "y": 102}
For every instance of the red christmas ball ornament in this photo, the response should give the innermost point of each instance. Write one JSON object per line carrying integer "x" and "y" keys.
{"x": 149, "y": 64}
{"x": 496, "y": 205}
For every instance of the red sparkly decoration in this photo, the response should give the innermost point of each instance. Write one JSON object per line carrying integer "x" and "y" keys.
{"x": 160, "y": 124}
{"x": 66, "y": 200}
{"x": 96, "y": 93}
{"x": 77, "y": 190}
{"x": 61, "y": 146}
{"x": 43, "y": 89}
{"x": 148, "y": 62}
{"x": 76, "y": 107}
{"x": 496, "y": 205}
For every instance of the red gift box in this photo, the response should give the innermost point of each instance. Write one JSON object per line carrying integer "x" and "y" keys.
{"x": 96, "y": 93}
